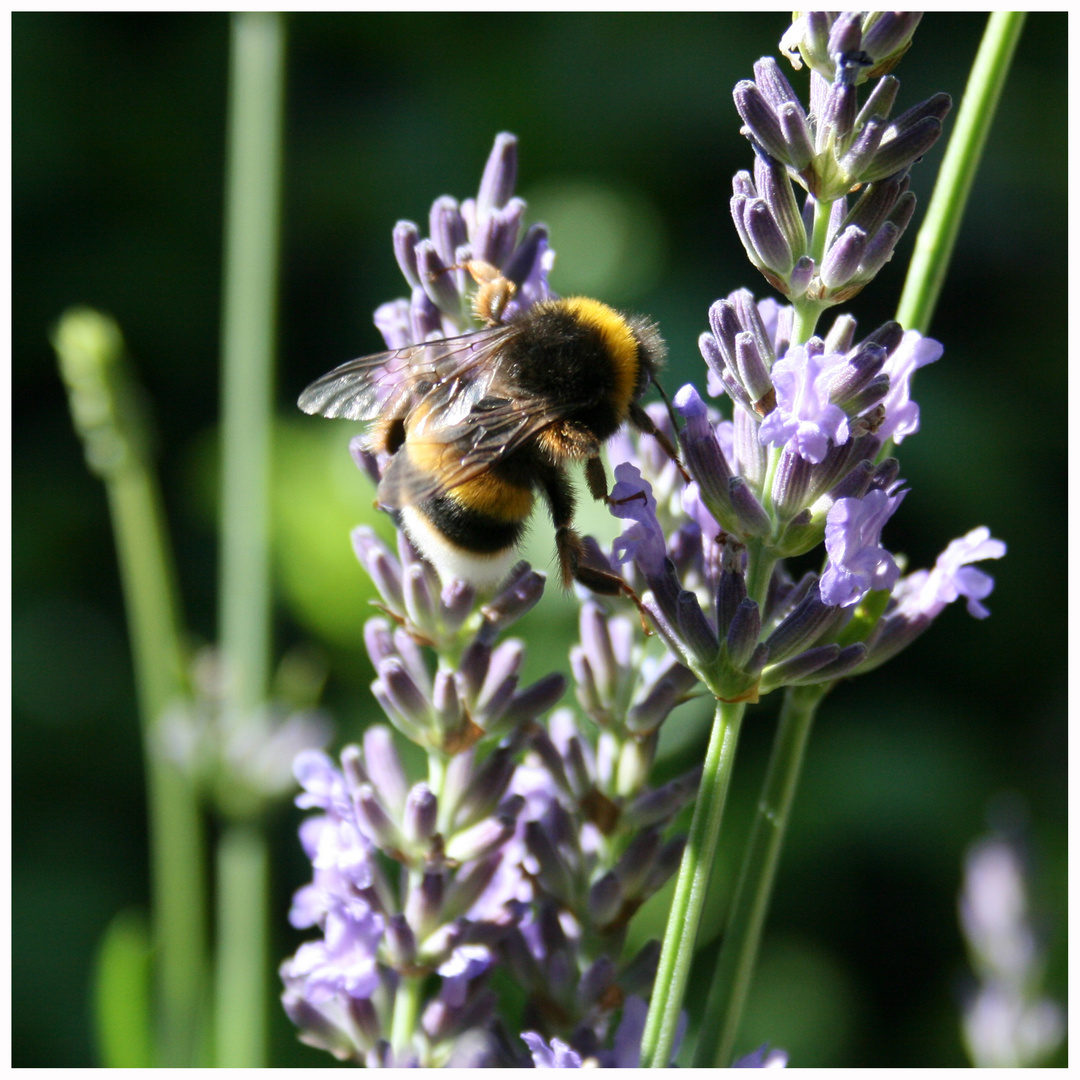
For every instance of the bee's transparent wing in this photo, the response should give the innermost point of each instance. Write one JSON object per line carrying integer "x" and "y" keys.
{"x": 378, "y": 385}
{"x": 439, "y": 457}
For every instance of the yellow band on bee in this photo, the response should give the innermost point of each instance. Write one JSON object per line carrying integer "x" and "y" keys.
{"x": 495, "y": 498}
{"x": 619, "y": 342}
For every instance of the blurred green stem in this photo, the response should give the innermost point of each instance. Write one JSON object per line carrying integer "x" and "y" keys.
{"x": 107, "y": 414}
{"x": 934, "y": 244}
{"x": 731, "y": 977}
{"x": 256, "y": 95}
{"x": 242, "y": 974}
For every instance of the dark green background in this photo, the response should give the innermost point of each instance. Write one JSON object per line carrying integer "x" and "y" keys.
{"x": 117, "y": 150}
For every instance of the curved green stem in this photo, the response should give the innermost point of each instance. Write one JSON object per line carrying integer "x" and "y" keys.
{"x": 934, "y": 244}
{"x": 731, "y": 979}
{"x": 682, "y": 925}
{"x": 105, "y": 409}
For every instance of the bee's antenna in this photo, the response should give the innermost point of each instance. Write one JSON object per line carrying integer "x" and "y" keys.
{"x": 667, "y": 401}
{"x": 644, "y": 423}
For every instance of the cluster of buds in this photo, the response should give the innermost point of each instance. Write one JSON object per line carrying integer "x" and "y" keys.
{"x": 486, "y": 230}
{"x": 832, "y": 151}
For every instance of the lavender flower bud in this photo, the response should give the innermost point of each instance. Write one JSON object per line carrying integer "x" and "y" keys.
{"x": 481, "y": 839}
{"x": 421, "y": 813}
{"x": 553, "y": 874}
{"x": 532, "y": 702}
{"x": 766, "y": 238}
{"x": 500, "y": 175}
{"x": 659, "y": 805}
{"x": 381, "y": 567}
{"x": 800, "y": 277}
{"x": 801, "y": 627}
{"x": 447, "y": 228}
{"x": 377, "y": 823}
{"x": 598, "y": 979}
{"x": 527, "y": 256}
{"x": 473, "y": 668}
{"x": 904, "y": 148}
{"x": 859, "y": 368}
{"x": 796, "y": 134}
{"x": 401, "y": 700}
{"x": 400, "y": 942}
{"x": 879, "y": 249}
{"x": 743, "y": 632}
{"x": 384, "y": 768}
{"x": 750, "y": 512}
{"x": 849, "y": 659}
{"x": 663, "y": 866}
{"x": 842, "y": 259}
{"x": 791, "y": 483}
{"x": 423, "y": 908}
{"x": 518, "y": 595}
{"x": 446, "y": 704}
{"x": 605, "y": 899}
{"x": 694, "y": 629}
{"x": 751, "y": 459}
{"x": 648, "y": 714}
{"x": 761, "y": 121}
{"x": 435, "y": 280}
{"x": 798, "y": 667}
{"x": 751, "y": 367}
{"x": 863, "y": 147}
{"x": 879, "y": 102}
{"x": 469, "y": 886}
{"x": 406, "y": 237}
{"x": 485, "y": 789}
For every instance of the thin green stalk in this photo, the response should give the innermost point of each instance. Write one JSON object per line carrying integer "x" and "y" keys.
{"x": 406, "y": 1012}
{"x": 241, "y": 969}
{"x": 934, "y": 244}
{"x": 252, "y": 211}
{"x": 105, "y": 409}
{"x": 682, "y": 925}
{"x": 256, "y": 97}
{"x": 731, "y": 978}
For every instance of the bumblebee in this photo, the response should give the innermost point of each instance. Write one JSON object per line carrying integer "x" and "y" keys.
{"x": 475, "y": 425}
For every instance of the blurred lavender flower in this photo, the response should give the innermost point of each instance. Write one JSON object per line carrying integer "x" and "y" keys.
{"x": 1008, "y": 1023}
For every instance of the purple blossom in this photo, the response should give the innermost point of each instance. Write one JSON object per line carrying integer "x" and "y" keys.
{"x": 804, "y": 419}
{"x": 762, "y": 1058}
{"x": 926, "y": 592}
{"x": 643, "y": 542}
{"x": 901, "y": 413}
{"x": 556, "y": 1056}
{"x": 343, "y": 962}
{"x": 857, "y": 561}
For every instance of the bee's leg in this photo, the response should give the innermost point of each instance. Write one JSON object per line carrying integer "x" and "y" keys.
{"x": 643, "y": 422}
{"x": 571, "y": 549}
{"x": 494, "y": 291}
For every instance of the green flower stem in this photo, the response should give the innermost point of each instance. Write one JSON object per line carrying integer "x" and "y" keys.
{"x": 256, "y": 96}
{"x": 406, "y": 1012}
{"x": 934, "y": 244}
{"x": 679, "y": 937}
{"x": 731, "y": 978}
{"x": 242, "y": 972}
{"x": 106, "y": 413}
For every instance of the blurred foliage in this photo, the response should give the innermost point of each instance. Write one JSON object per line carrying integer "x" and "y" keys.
{"x": 628, "y": 141}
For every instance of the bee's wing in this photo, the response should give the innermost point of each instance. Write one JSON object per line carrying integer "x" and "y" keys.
{"x": 378, "y": 385}
{"x": 438, "y": 456}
